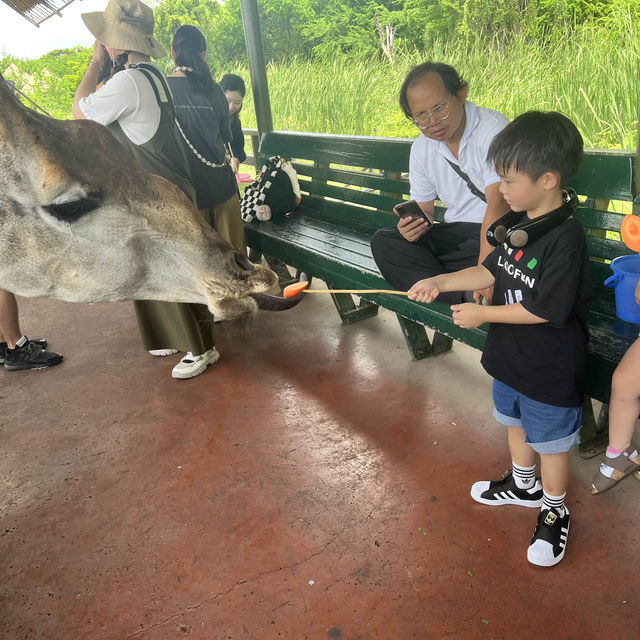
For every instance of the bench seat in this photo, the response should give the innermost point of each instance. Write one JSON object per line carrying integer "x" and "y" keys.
{"x": 350, "y": 185}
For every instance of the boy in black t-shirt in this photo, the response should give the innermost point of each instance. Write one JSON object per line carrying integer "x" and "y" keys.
{"x": 536, "y": 346}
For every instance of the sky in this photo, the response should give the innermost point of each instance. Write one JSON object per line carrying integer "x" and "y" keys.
{"x": 20, "y": 38}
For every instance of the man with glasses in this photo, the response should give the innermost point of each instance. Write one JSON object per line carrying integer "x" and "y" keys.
{"x": 448, "y": 162}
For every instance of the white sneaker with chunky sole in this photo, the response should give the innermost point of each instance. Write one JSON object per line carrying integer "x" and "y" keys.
{"x": 191, "y": 366}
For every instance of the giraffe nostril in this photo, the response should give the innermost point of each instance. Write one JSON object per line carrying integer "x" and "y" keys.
{"x": 243, "y": 262}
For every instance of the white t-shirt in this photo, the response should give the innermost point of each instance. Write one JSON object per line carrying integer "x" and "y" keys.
{"x": 127, "y": 97}
{"x": 431, "y": 177}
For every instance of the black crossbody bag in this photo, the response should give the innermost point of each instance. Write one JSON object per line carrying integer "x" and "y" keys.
{"x": 472, "y": 187}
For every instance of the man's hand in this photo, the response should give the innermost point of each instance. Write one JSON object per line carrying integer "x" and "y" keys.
{"x": 412, "y": 229}
{"x": 424, "y": 291}
{"x": 468, "y": 315}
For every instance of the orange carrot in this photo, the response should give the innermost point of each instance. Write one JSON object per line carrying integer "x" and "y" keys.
{"x": 292, "y": 290}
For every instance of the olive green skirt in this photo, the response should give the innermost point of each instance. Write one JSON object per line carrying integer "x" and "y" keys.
{"x": 175, "y": 325}
{"x": 225, "y": 218}
{"x": 182, "y": 326}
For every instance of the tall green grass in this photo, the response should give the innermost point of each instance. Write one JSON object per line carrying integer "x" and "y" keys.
{"x": 588, "y": 71}
{"x": 590, "y": 74}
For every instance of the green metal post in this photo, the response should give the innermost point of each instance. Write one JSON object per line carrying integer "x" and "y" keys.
{"x": 257, "y": 67}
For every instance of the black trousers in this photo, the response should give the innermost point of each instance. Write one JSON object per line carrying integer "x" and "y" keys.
{"x": 444, "y": 248}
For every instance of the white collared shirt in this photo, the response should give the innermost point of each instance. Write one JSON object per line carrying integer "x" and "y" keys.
{"x": 127, "y": 97}
{"x": 431, "y": 177}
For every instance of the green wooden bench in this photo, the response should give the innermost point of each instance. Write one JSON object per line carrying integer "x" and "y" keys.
{"x": 350, "y": 185}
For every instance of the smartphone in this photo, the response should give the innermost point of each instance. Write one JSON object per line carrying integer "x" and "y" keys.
{"x": 413, "y": 209}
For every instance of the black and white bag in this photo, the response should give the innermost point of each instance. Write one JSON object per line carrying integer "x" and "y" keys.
{"x": 275, "y": 186}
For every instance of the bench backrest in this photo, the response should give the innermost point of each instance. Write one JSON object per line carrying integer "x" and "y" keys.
{"x": 355, "y": 181}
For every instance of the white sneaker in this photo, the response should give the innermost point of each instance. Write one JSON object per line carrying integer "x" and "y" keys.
{"x": 163, "y": 352}
{"x": 191, "y": 366}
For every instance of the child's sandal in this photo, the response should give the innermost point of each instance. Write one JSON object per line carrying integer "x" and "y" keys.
{"x": 622, "y": 466}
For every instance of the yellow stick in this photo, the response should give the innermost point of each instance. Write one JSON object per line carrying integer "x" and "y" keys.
{"x": 356, "y": 291}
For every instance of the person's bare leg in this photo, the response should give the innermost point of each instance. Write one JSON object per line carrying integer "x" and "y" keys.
{"x": 621, "y": 457}
{"x": 521, "y": 453}
{"x": 554, "y": 469}
{"x": 624, "y": 407}
{"x": 9, "y": 323}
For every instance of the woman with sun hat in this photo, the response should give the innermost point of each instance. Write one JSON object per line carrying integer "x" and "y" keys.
{"x": 136, "y": 105}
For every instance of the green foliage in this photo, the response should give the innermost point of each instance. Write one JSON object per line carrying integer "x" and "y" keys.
{"x": 335, "y": 26}
{"x": 326, "y": 74}
{"x": 322, "y": 29}
{"x": 171, "y": 14}
{"x": 352, "y": 96}
{"x": 50, "y": 81}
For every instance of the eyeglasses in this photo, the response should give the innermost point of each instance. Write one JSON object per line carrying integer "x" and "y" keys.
{"x": 438, "y": 113}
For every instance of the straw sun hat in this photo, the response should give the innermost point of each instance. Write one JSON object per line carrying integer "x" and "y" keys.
{"x": 125, "y": 24}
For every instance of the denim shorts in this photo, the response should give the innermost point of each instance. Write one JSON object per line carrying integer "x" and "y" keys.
{"x": 548, "y": 429}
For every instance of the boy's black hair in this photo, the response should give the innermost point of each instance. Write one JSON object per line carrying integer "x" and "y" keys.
{"x": 537, "y": 142}
{"x": 452, "y": 80}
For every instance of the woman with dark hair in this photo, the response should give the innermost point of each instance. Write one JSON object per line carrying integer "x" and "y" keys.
{"x": 201, "y": 111}
{"x": 234, "y": 91}
{"x": 203, "y": 129}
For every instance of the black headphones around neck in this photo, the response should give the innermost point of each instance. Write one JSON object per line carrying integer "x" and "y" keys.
{"x": 509, "y": 230}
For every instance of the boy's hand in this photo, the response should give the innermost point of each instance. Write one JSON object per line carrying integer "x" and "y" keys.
{"x": 424, "y": 291}
{"x": 412, "y": 229}
{"x": 486, "y": 294}
{"x": 468, "y": 315}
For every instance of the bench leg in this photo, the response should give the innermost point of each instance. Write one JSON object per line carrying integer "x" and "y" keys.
{"x": 420, "y": 346}
{"x": 595, "y": 432}
{"x": 349, "y": 311}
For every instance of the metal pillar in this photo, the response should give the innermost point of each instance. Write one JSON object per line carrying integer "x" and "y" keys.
{"x": 257, "y": 67}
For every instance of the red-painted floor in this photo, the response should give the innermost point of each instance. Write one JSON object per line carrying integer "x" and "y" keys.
{"x": 312, "y": 484}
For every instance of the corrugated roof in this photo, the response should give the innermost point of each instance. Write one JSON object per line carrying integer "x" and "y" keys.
{"x": 37, "y": 11}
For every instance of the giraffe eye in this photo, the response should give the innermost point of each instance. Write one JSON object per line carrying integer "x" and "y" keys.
{"x": 74, "y": 210}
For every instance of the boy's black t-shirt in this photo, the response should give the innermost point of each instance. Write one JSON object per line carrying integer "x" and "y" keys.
{"x": 551, "y": 279}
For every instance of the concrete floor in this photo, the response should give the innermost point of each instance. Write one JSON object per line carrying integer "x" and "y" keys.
{"x": 314, "y": 483}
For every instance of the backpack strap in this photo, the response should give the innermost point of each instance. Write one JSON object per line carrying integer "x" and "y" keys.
{"x": 158, "y": 83}
{"x": 163, "y": 96}
{"x": 472, "y": 187}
